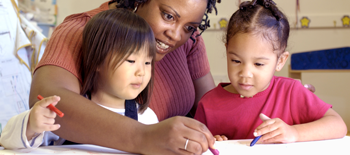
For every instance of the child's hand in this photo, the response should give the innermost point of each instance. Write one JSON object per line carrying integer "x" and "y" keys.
{"x": 42, "y": 118}
{"x": 220, "y": 138}
{"x": 275, "y": 131}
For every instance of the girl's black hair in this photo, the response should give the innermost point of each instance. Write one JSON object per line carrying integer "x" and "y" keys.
{"x": 261, "y": 17}
{"x": 130, "y": 4}
{"x": 110, "y": 37}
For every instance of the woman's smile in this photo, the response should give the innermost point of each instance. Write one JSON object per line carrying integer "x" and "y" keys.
{"x": 163, "y": 48}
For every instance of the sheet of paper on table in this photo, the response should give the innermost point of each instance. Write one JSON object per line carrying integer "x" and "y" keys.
{"x": 237, "y": 147}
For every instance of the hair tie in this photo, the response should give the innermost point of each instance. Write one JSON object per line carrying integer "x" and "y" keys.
{"x": 135, "y": 9}
{"x": 267, "y": 3}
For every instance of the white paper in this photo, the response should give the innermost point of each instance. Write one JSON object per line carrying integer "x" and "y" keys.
{"x": 237, "y": 147}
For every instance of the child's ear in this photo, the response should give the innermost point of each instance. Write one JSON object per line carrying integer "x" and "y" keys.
{"x": 282, "y": 60}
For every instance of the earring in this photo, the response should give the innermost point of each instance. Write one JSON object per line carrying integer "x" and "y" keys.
{"x": 278, "y": 68}
{"x": 135, "y": 9}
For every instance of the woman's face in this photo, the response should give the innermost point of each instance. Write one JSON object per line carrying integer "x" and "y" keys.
{"x": 172, "y": 21}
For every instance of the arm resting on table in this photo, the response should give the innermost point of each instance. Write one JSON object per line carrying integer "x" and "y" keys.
{"x": 86, "y": 122}
{"x": 330, "y": 126}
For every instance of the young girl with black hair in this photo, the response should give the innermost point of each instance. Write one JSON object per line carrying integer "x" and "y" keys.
{"x": 117, "y": 67}
{"x": 256, "y": 42}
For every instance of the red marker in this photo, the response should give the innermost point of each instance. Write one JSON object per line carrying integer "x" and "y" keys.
{"x": 52, "y": 108}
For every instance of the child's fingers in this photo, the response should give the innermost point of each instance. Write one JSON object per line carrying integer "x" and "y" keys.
{"x": 49, "y": 100}
{"x": 271, "y": 136}
{"x": 224, "y": 137}
{"x": 266, "y": 121}
{"x": 263, "y": 117}
{"x": 48, "y": 127}
{"x": 266, "y": 127}
{"x": 49, "y": 114}
{"x": 48, "y": 121}
{"x": 42, "y": 123}
{"x": 277, "y": 138}
{"x": 218, "y": 138}
{"x": 266, "y": 124}
{"x": 49, "y": 124}
{"x": 53, "y": 127}
{"x": 44, "y": 112}
{"x": 280, "y": 132}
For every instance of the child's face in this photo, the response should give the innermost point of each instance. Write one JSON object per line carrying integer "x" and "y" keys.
{"x": 128, "y": 80}
{"x": 251, "y": 63}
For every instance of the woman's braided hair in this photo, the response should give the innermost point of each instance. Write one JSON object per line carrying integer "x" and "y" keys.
{"x": 130, "y": 4}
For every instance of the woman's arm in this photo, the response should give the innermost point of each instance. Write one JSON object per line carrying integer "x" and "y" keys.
{"x": 82, "y": 121}
{"x": 202, "y": 85}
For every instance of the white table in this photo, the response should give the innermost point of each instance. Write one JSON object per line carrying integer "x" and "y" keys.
{"x": 237, "y": 147}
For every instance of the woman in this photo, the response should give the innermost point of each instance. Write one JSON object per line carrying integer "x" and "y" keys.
{"x": 181, "y": 77}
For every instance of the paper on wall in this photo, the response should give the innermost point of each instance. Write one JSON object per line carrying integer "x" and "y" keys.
{"x": 19, "y": 53}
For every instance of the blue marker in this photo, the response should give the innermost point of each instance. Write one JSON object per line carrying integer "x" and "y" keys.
{"x": 255, "y": 140}
{"x": 263, "y": 117}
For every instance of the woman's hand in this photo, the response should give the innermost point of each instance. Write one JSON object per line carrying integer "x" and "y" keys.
{"x": 169, "y": 137}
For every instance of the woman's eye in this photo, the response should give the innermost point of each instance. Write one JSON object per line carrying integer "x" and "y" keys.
{"x": 148, "y": 63}
{"x": 190, "y": 28}
{"x": 131, "y": 61}
{"x": 259, "y": 64}
{"x": 167, "y": 16}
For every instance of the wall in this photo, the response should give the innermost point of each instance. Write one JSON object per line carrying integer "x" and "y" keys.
{"x": 68, "y": 7}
